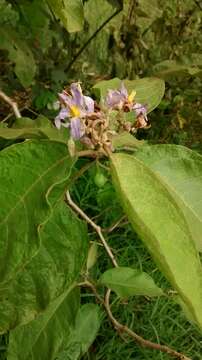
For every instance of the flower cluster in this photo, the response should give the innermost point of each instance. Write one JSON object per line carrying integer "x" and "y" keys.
{"x": 89, "y": 123}
{"x": 121, "y": 100}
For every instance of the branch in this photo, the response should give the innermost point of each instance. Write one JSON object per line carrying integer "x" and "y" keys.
{"x": 12, "y": 103}
{"x": 137, "y": 338}
{"x": 92, "y": 37}
{"x": 94, "y": 226}
{"x": 124, "y": 329}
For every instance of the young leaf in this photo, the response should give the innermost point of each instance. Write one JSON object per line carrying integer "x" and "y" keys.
{"x": 92, "y": 256}
{"x": 181, "y": 170}
{"x": 70, "y": 12}
{"x": 149, "y": 91}
{"x": 159, "y": 221}
{"x": 45, "y": 337}
{"x": 128, "y": 282}
{"x": 29, "y": 172}
{"x": 86, "y": 328}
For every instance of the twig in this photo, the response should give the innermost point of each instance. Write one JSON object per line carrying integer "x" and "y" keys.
{"x": 124, "y": 329}
{"x": 94, "y": 226}
{"x": 87, "y": 153}
{"x": 137, "y": 338}
{"x": 115, "y": 225}
{"x": 12, "y": 103}
{"x": 92, "y": 37}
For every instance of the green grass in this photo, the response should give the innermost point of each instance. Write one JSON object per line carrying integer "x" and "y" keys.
{"x": 159, "y": 319}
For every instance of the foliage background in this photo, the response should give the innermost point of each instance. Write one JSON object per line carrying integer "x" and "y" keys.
{"x": 39, "y": 56}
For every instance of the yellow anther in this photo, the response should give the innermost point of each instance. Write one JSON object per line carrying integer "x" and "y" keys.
{"x": 131, "y": 96}
{"x": 75, "y": 112}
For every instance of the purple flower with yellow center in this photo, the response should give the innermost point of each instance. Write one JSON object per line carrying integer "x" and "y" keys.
{"x": 75, "y": 107}
{"x": 117, "y": 99}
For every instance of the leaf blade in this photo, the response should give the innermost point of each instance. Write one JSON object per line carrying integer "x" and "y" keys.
{"x": 149, "y": 91}
{"x": 20, "y": 189}
{"x": 156, "y": 217}
{"x": 181, "y": 169}
{"x": 39, "y": 339}
{"x": 129, "y": 282}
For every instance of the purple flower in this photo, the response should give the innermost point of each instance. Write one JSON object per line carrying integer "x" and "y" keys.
{"x": 75, "y": 107}
{"x": 140, "y": 110}
{"x": 141, "y": 113}
{"x": 116, "y": 99}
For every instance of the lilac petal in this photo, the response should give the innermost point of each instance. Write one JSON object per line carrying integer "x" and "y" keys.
{"x": 140, "y": 109}
{"x": 123, "y": 91}
{"x": 113, "y": 98}
{"x": 63, "y": 97}
{"x": 89, "y": 104}
{"x": 63, "y": 114}
{"x": 77, "y": 94}
{"x": 76, "y": 131}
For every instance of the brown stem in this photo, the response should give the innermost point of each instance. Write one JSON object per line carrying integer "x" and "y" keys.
{"x": 94, "y": 226}
{"x": 137, "y": 338}
{"x": 124, "y": 329}
{"x": 12, "y": 103}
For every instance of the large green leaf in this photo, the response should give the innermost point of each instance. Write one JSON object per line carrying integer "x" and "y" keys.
{"x": 149, "y": 91}
{"x": 181, "y": 169}
{"x": 70, "y": 12}
{"x": 128, "y": 282}
{"x": 157, "y": 218}
{"x": 50, "y": 273}
{"x": 84, "y": 333}
{"x": 20, "y": 54}
{"x": 28, "y": 173}
{"x": 45, "y": 337}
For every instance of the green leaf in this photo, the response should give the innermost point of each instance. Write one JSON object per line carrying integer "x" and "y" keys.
{"x": 150, "y": 8}
{"x": 149, "y": 91}
{"x": 128, "y": 282}
{"x": 70, "y": 12}
{"x": 40, "y": 128}
{"x": 159, "y": 221}
{"x": 20, "y": 54}
{"x": 48, "y": 274}
{"x": 170, "y": 68}
{"x": 126, "y": 140}
{"x": 86, "y": 328}
{"x": 25, "y": 122}
{"x": 92, "y": 256}
{"x": 35, "y": 14}
{"x": 45, "y": 337}
{"x": 181, "y": 170}
{"x": 29, "y": 173}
